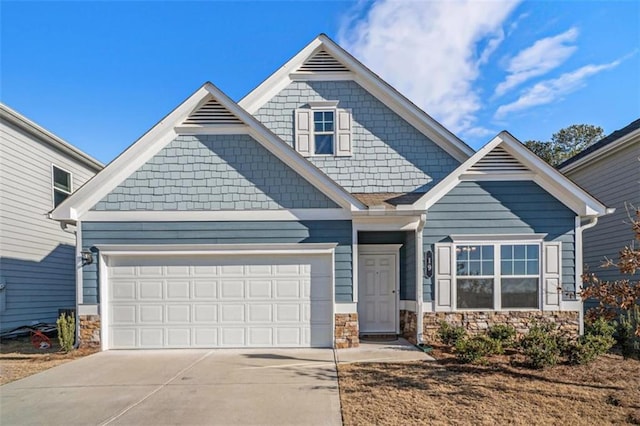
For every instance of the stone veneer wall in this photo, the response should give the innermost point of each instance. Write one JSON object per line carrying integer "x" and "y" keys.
{"x": 409, "y": 325}
{"x": 346, "y": 331}
{"x": 90, "y": 331}
{"x": 478, "y": 322}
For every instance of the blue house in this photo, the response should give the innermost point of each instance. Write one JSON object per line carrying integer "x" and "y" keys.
{"x": 322, "y": 207}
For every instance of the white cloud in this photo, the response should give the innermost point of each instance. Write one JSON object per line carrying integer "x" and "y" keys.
{"x": 549, "y": 90}
{"x": 538, "y": 59}
{"x": 427, "y": 50}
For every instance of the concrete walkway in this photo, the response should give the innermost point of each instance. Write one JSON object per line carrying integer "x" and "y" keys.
{"x": 192, "y": 387}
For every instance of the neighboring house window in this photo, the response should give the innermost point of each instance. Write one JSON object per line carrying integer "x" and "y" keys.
{"x": 323, "y": 129}
{"x": 497, "y": 276}
{"x": 61, "y": 185}
{"x": 323, "y": 132}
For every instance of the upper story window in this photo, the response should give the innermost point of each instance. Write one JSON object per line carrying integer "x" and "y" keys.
{"x": 323, "y": 132}
{"x": 61, "y": 185}
{"x": 323, "y": 129}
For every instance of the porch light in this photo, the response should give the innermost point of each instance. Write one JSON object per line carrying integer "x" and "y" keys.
{"x": 87, "y": 257}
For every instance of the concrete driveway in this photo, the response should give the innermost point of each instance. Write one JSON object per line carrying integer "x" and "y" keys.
{"x": 186, "y": 387}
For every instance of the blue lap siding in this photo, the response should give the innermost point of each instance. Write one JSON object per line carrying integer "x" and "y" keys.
{"x": 498, "y": 208}
{"x": 99, "y": 233}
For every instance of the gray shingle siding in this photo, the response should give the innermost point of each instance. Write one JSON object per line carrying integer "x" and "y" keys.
{"x": 214, "y": 172}
{"x": 389, "y": 155}
{"x": 494, "y": 208}
{"x": 97, "y": 233}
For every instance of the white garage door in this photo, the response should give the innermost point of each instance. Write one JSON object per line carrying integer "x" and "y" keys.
{"x": 219, "y": 301}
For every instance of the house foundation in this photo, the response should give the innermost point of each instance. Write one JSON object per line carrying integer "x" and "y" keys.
{"x": 479, "y": 322}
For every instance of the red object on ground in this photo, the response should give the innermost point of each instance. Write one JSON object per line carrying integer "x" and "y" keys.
{"x": 39, "y": 340}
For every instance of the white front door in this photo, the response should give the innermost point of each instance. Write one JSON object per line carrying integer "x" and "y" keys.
{"x": 377, "y": 296}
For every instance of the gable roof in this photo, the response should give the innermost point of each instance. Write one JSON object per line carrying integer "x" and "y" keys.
{"x": 15, "y": 118}
{"x": 514, "y": 161}
{"x": 323, "y": 59}
{"x": 183, "y": 120}
{"x": 610, "y": 142}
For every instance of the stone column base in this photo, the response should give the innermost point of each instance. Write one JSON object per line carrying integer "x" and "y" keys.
{"x": 89, "y": 331}
{"x": 346, "y": 331}
{"x": 409, "y": 326}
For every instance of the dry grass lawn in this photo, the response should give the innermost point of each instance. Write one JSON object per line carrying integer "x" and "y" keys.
{"x": 19, "y": 359}
{"x": 446, "y": 392}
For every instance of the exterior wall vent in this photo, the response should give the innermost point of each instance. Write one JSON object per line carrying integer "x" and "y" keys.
{"x": 210, "y": 113}
{"x": 498, "y": 160}
{"x": 322, "y": 62}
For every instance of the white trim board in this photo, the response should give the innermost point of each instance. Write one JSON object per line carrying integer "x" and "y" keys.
{"x": 220, "y": 215}
{"x": 79, "y": 203}
{"x": 214, "y": 249}
{"x": 365, "y": 78}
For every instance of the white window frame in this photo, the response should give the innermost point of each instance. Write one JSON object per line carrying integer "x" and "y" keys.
{"x": 315, "y": 133}
{"x": 497, "y": 271}
{"x": 53, "y": 184}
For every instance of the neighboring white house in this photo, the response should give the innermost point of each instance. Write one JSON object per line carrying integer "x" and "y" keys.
{"x": 610, "y": 171}
{"x": 37, "y": 257}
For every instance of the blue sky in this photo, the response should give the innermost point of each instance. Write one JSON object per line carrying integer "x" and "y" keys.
{"x": 99, "y": 74}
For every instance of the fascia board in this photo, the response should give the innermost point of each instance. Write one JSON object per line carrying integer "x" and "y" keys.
{"x": 371, "y": 82}
{"x": 43, "y": 135}
{"x": 606, "y": 150}
{"x": 449, "y": 182}
{"x": 277, "y": 81}
{"x": 126, "y": 163}
{"x": 563, "y": 188}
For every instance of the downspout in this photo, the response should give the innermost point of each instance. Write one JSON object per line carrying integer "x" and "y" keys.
{"x": 78, "y": 264}
{"x": 419, "y": 279}
{"x": 593, "y": 221}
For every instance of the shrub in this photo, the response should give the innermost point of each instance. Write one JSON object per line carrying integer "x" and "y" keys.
{"x": 588, "y": 347}
{"x": 628, "y": 335}
{"x": 600, "y": 327}
{"x": 503, "y": 333}
{"x": 450, "y": 334}
{"x": 66, "y": 331}
{"x": 542, "y": 346}
{"x": 475, "y": 348}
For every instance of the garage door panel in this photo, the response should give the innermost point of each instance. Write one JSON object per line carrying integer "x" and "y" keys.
{"x": 232, "y": 313}
{"x": 152, "y": 338}
{"x": 220, "y": 301}
{"x": 205, "y": 289}
{"x": 178, "y": 289}
{"x": 259, "y": 289}
{"x": 178, "y": 337}
{"x": 205, "y": 313}
{"x": 124, "y": 290}
{"x": 260, "y": 313}
{"x": 178, "y": 314}
{"x": 289, "y": 289}
{"x": 288, "y": 313}
{"x": 124, "y": 314}
{"x": 231, "y": 289}
{"x": 150, "y": 290}
{"x": 150, "y": 314}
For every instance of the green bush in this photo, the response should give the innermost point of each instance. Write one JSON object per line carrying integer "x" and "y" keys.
{"x": 475, "y": 348}
{"x": 503, "y": 333}
{"x": 600, "y": 327}
{"x": 66, "y": 331}
{"x": 588, "y": 347}
{"x": 628, "y": 323}
{"x": 449, "y": 334}
{"x": 542, "y": 346}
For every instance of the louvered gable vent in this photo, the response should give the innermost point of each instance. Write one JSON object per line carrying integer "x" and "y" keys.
{"x": 498, "y": 160}
{"x": 322, "y": 62}
{"x": 211, "y": 113}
